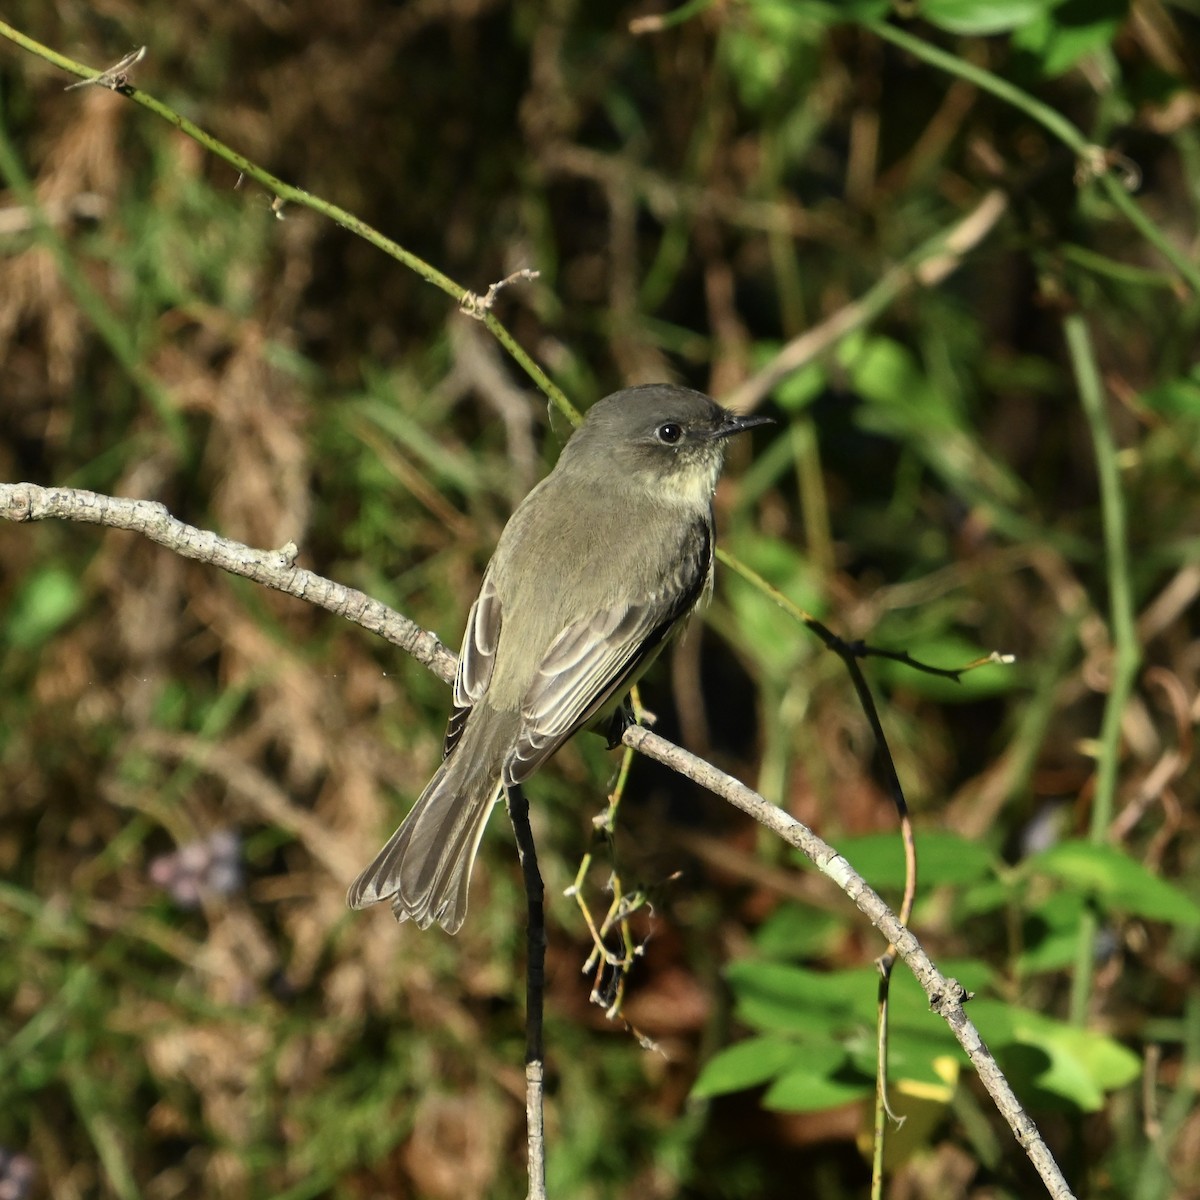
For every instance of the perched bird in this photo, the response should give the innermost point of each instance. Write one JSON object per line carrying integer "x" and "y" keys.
{"x": 598, "y": 567}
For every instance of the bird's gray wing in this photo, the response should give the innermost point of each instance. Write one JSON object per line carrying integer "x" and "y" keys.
{"x": 595, "y": 660}
{"x": 475, "y": 660}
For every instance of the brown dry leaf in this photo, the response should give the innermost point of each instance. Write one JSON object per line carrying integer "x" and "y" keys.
{"x": 672, "y": 1002}
{"x": 84, "y": 159}
{"x": 221, "y": 1062}
{"x": 293, "y": 708}
{"x": 258, "y": 449}
{"x": 305, "y": 1058}
{"x": 238, "y": 957}
{"x": 456, "y": 1144}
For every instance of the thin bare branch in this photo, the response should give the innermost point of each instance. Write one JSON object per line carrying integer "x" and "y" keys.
{"x": 272, "y": 568}
{"x": 276, "y": 569}
{"x": 946, "y": 996}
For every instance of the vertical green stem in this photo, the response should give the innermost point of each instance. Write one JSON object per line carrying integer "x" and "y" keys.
{"x": 814, "y": 501}
{"x": 1126, "y": 651}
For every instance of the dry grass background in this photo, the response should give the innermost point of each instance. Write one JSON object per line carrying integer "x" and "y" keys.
{"x": 162, "y": 335}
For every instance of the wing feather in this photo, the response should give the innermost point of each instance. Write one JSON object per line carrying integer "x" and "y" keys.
{"x": 596, "y": 660}
{"x": 475, "y": 660}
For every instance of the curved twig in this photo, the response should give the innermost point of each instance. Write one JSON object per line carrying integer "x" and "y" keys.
{"x": 276, "y": 569}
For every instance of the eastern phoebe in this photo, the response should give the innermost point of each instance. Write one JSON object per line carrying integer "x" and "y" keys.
{"x": 598, "y": 567}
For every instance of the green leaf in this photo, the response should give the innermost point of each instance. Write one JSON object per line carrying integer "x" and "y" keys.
{"x": 1038, "y": 1052}
{"x": 839, "y": 1004}
{"x": 766, "y": 46}
{"x": 1116, "y": 881}
{"x": 1175, "y": 398}
{"x": 833, "y": 1014}
{"x": 796, "y": 931}
{"x": 984, "y": 897}
{"x": 747, "y": 1064}
{"x": 913, "y": 1056}
{"x": 905, "y": 404}
{"x": 798, "y": 390}
{"x": 836, "y": 12}
{"x": 775, "y": 44}
{"x": 982, "y": 17}
{"x": 889, "y": 375}
{"x": 822, "y": 1081}
{"x": 1051, "y": 931}
{"x": 774, "y": 637}
{"x": 43, "y": 606}
{"x": 1110, "y": 1064}
{"x": 942, "y": 858}
{"x": 1076, "y": 28}
{"x": 787, "y": 999}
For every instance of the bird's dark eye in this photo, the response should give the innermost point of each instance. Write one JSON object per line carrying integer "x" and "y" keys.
{"x": 669, "y": 432}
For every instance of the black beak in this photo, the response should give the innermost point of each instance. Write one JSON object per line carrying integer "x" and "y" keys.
{"x": 733, "y": 423}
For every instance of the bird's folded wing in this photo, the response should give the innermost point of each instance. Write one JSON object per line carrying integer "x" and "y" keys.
{"x": 595, "y": 660}
{"x": 475, "y": 660}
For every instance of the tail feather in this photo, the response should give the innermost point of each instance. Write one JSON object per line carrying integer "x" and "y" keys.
{"x": 439, "y": 893}
{"x": 425, "y": 868}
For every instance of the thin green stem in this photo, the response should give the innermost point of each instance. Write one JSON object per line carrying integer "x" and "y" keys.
{"x": 294, "y": 195}
{"x": 882, "y": 1111}
{"x": 1110, "y": 268}
{"x": 94, "y": 1108}
{"x": 752, "y": 577}
{"x": 1126, "y": 651}
{"x": 1046, "y": 116}
{"x": 814, "y": 500}
{"x": 1092, "y": 157}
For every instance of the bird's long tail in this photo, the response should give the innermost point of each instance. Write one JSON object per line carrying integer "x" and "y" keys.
{"x": 425, "y": 868}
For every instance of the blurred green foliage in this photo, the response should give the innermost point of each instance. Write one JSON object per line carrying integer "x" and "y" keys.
{"x": 695, "y": 197}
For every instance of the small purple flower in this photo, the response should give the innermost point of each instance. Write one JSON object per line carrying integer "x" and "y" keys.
{"x": 209, "y": 867}
{"x": 17, "y": 1174}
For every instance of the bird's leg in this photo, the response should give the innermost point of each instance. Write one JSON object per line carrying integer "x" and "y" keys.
{"x": 620, "y": 721}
